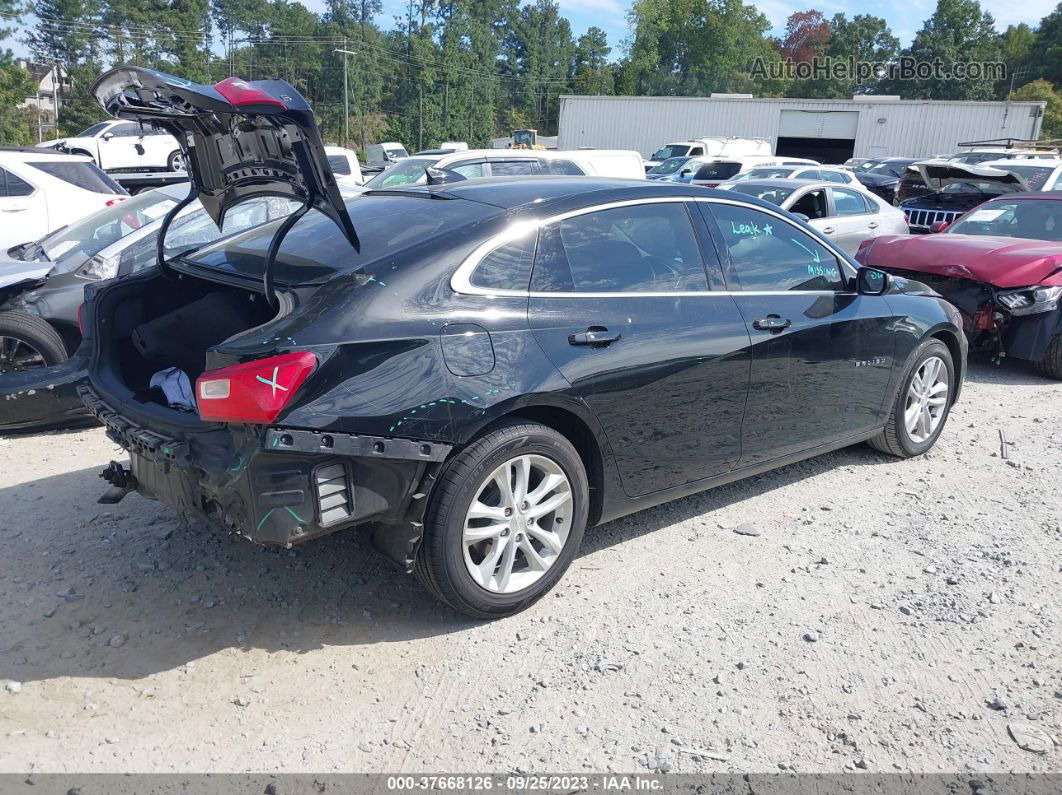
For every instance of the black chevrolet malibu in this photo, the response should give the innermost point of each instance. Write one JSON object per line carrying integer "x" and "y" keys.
{"x": 477, "y": 371}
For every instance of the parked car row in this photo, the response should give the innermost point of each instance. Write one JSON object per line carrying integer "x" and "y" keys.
{"x": 475, "y": 371}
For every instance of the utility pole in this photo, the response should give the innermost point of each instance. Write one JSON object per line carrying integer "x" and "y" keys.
{"x": 346, "y": 95}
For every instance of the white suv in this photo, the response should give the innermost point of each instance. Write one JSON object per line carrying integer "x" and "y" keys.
{"x": 41, "y": 191}
{"x": 123, "y": 145}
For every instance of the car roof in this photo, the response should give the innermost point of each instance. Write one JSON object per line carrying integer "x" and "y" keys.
{"x": 785, "y": 182}
{"x": 510, "y": 193}
{"x": 39, "y": 152}
{"x": 1032, "y": 195}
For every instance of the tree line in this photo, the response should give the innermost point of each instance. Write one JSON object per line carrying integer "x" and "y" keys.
{"x": 475, "y": 69}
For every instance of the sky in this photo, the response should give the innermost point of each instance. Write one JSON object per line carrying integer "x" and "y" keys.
{"x": 905, "y": 17}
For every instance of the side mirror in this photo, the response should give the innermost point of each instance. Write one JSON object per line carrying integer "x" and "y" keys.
{"x": 685, "y": 172}
{"x": 802, "y": 217}
{"x": 107, "y": 136}
{"x": 871, "y": 281}
{"x": 938, "y": 226}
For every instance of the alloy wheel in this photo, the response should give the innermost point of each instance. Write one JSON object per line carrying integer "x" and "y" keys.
{"x": 17, "y": 355}
{"x": 517, "y": 524}
{"x": 927, "y": 399}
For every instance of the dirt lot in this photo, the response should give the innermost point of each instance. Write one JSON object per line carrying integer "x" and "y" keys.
{"x": 890, "y": 616}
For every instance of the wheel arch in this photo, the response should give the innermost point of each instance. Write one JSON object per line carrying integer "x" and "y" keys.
{"x": 958, "y": 357}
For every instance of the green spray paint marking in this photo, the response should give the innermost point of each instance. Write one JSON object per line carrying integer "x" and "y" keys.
{"x": 239, "y": 465}
{"x": 263, "y": 519}
{"x": 286, "y": 508}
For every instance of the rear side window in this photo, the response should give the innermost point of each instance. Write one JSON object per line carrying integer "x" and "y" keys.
{"x": 13, "y": 185}
{"x": 561, "y": 167}
{"x": 809, "y": 173}
{"x": 836, "y": 176}
{"x": 714, "y": 171}
{"x": 642, "y": 248}
{"x": 848, "y": 202}
{"x": 339, "y": 165}
{"x": 507, "y": 267}
{"x": 82, "y": 175}
{"x": 768, "y": 254}
{"x": 512, "y": 168}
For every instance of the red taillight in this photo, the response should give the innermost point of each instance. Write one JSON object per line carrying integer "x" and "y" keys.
{"x": 241, "y": 93}
{"x": 253, "y": 392}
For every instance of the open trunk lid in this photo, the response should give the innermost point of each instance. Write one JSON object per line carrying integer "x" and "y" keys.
{"x": 938, "y": 174}
{"x": 240, "y": 139}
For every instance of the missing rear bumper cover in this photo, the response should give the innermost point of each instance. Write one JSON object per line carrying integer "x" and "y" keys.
{"x": 354, "y": 445}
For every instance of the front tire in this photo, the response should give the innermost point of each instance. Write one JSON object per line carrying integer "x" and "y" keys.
{"x": 505, "y": 521}
{"x": 27, "y": 342}
{"x": 175, "y": 162}
{"x": 922, "y": 405}
{"x": 1051, "y": 364}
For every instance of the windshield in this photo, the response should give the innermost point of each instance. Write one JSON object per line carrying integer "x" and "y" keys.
{"x": 408, "y": 171}
{"x": 1034, "y": 176}
{"x": 888, "y": 169}
{"x": 766, "y": 192}
{"x": 973, "y": 158}
{"x": 717, "y": 170}
{"x": 1030, "y": 220}
{"x": 866, "y": 165}
{"x": 669, "y": 166}
{"x": 93, "y": 130}
{"x": 95, "y": 232}
{"x": 396, "y": 152}
{"x": 763, "y": 173}
{"x": 671, "y": 150}
{"x": 978, "y": 186}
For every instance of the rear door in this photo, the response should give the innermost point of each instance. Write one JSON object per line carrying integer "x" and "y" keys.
{"x": 121, "y": 147}
{"x": 815, "y": 204}
{"x": 23, "y": 210}
{"x": 620, "y": 303}
{"x": 822, "y": 354}
{"x": 852, "y": 219}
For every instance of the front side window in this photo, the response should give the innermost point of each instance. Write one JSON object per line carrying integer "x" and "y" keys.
{"x": 848, "y": 202}
{"x": 339, "y": 164}
{"x": 808, "y": 173}
{"x": 836, "y": 176}
{"x": 769, "y": 254}
{"x": 127, "y": 130}
{"x": 812, "y": 204}
{"x": 468, "y": 170}
{"x": 640, "y": 248}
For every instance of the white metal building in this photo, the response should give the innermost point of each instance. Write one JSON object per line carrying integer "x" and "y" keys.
{"x": 826, "y": 129}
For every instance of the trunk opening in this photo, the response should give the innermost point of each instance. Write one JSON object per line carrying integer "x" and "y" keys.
{"x": 154, "y": 324}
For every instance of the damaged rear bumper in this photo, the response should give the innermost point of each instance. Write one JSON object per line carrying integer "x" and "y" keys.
{"x": 281, "y": 486}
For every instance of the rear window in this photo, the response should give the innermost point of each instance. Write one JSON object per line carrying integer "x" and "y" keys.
{"x": 339, "y": 165}
{"x": 718, "y": 171}
{"x": 315, "y": 248}
{"x": 1035, "y": 176}
{"x": 82, "y": 175}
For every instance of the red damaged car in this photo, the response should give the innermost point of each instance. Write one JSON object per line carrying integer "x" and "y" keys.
{"x": 1001, "y": 265}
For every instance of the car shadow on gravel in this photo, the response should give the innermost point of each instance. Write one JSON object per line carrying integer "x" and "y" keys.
{"x": 1012, "y": 372}
{"x": 123, "y": 591}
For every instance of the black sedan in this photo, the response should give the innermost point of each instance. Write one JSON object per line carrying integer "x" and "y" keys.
{"x": 479, "y": 371}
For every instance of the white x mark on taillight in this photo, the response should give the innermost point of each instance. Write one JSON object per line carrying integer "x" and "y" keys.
{"x": 272, "y": 384}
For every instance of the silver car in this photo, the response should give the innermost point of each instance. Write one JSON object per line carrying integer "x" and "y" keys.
{"x": 846, "y": 214}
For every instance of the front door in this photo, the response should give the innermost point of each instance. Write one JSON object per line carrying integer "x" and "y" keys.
{"x": 620, "y": 304}
{"x": 822, "y": 355}
{"x": 852, "y": 219}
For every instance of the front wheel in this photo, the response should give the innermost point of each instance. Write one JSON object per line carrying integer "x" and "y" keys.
{"x": 506, "y": 519}
{"x": 1051, "y": 364}
{"x": 27, "y": 342}
{"x": 175, "y": 162}
{"x": 922, "y": 405}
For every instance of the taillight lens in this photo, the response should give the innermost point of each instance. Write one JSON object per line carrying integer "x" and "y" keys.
{"x": 241, "y": 93}
{"x": 253, "y": 392}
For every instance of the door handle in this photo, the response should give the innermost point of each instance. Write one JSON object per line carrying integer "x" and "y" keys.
{"x": 828, "y": 230}
{"x": 15, "y": 208}
{"x": 595, "y": 337}
{"x": 772, "y": 323}
{"x": 873, "y": 224}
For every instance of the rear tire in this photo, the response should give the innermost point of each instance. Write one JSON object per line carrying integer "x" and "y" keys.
{"x": 27, "y": 341}
{"x": 175, "y": 162}
{"x": 898, "y": 437}
{"x": 501, "y": 556}
{"x": 1051, "y": 364}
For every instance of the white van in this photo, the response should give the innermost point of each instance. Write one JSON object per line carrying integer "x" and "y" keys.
{"x": 385, "y": 154}
{"x": 476, "y": 163}
{"x": 708, "y": 147}
{"x": 710, "y": 171}
{"x": 345, "y": 166}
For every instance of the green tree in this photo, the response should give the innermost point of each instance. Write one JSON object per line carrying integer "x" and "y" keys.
{"x": 1048, "y": 47}
{"x": 959, "y": 31}
{"x": 590, "y": 72}
{"x": 1041, "y": 90}
{"x": 15, "y": 86}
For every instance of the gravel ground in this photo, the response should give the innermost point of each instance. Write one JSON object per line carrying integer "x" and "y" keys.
{"x": 883, "y": 615}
